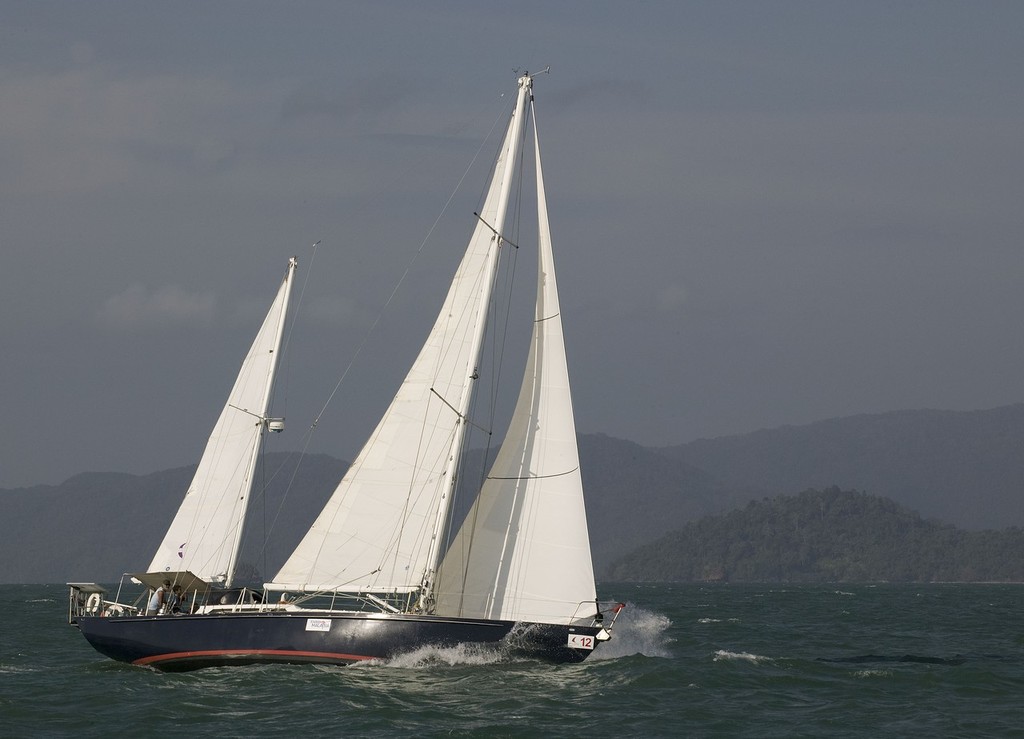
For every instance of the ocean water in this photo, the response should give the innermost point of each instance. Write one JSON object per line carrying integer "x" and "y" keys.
{"x": 686, "y": 660}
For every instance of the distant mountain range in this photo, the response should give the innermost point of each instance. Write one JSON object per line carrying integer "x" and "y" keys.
{"x": 963, "y": 467}
{"x": 966, "y": 468}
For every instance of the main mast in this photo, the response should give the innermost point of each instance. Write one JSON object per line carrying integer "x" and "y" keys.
{"x": 509, "y": 157}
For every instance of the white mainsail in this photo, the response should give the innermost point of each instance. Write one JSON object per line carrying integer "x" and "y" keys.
{"x": 523, "y": 552}
{"x": 380, "y": 531}
{"x": 206, "y": 533}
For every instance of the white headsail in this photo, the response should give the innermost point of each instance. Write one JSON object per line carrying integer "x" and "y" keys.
{"x": 523, "y": 552}
{"x": 206, "y": 533}
{"x": 380, "y": 530}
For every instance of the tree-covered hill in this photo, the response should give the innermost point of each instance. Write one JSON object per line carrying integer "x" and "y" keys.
{"x": 825, "y": 536}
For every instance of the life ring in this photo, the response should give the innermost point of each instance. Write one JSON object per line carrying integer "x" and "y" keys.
{"x": 92, "y": 605}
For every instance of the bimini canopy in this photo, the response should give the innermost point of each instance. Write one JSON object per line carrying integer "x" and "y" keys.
{"x": 188, "y": 581}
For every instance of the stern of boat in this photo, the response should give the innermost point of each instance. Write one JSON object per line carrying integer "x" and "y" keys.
{"x": 84, "y": 599}
{"x": 90, "y": 599}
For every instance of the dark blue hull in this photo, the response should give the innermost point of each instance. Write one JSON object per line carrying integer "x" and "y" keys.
{"x": 193, "y": 641}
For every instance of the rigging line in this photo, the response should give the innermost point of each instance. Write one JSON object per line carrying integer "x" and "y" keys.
{"x": 302, "y": 292}
{"x": 263, "y": 507}
{"x": 280, "y": 469}
{"x": 405, "y": 274}
{"x": 263, "y": 493}
{"x": 294, "y": 315}
{"x": 284, "y": 496}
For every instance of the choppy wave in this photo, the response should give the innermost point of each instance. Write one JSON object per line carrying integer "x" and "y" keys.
{"x": 17, "y": 669}
{"x": 924, "y": 659}
{"x": 723, "y": 655}
{"x": 872, "y": 673}
{"x": 805, "y": 662}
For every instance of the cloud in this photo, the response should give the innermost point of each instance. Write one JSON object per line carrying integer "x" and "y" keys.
{"x": 169, "y": 305}
{"x": 671, "y": 297}
{"x": 92, "y": 126}
{"x": 369, "y": 99}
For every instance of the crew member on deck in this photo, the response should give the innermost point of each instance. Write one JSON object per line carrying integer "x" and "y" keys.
{"x": 174, "y": 602}
{"x": 158, "y": 599}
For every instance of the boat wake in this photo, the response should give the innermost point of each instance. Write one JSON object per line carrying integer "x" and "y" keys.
{"x": 637, "y": 631}
{"x": 429, "y": 656}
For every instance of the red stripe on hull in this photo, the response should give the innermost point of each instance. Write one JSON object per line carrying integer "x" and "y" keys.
{"x": 251, "y": 652}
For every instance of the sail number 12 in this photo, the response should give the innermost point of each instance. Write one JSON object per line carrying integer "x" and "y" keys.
{"x": 581, "y": 641}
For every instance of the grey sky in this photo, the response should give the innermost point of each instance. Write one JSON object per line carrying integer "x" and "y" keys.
{"x": 763, "y": 213}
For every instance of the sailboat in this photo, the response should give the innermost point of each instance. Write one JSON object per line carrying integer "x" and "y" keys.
{"x": 381, "y": 572}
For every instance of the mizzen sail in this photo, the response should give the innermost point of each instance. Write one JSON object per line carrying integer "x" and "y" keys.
{"x": 206, "y": 532}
